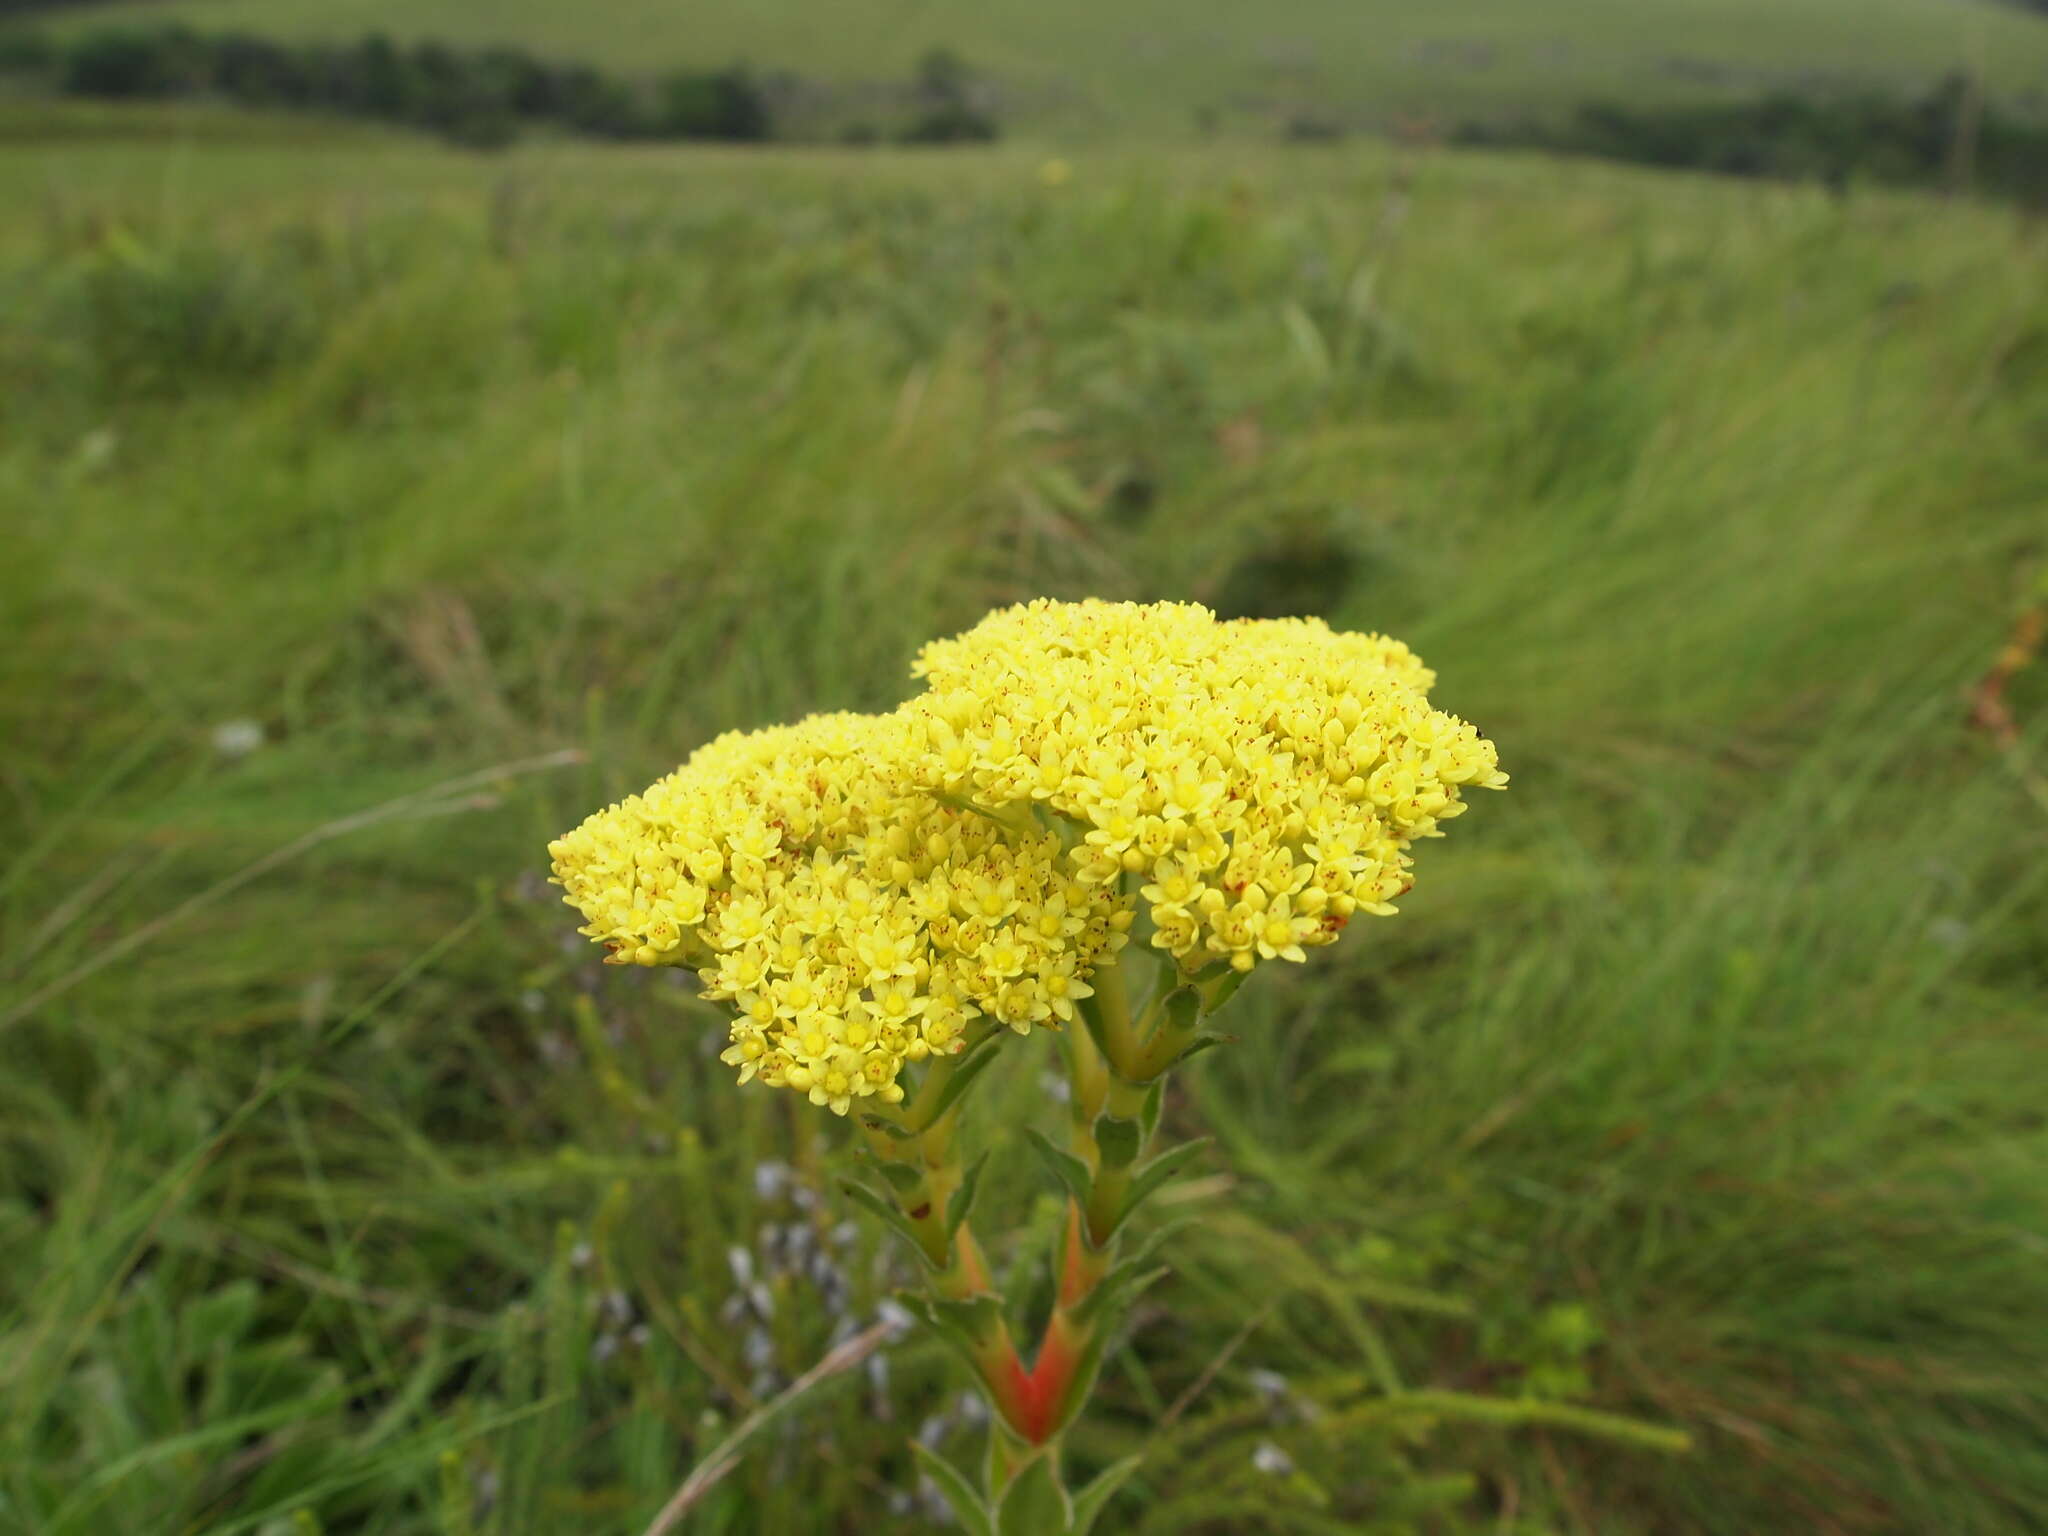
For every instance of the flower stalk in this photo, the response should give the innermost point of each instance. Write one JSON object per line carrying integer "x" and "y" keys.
{"x": 1112, "y": 1125}
{"x": 880, "y": 900}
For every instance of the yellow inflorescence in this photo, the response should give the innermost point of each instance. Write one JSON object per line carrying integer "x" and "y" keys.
{"x": 1259, "y": 781}
{"x": 852, "y": 922}
{"x": 860, "y": 888}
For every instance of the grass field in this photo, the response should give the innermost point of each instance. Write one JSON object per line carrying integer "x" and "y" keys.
{"x": 339, "y": 1190}
{"x": 1149, "y": 66}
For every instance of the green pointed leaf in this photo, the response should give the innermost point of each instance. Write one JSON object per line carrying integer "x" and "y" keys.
{"x": 1226, "y": 990}
{"x": 967, "y": 1504}
{"x": 965, "y": 1070}
{"x": 897, "y": 1222}
{"x": 1155, "y": 1101}
{"x": 1158, "y": 1237}
{"x": 961, "y": 1325}
{"x": 992, "y": 1457}
{"x": 1148, "y": 1179}
{"x": 1183, "y": 1008}
{"x": 962, "y": 1202}
{"x": 893, "y": 1129}
{"x": 1137, "y": 1271}
{"x": 1066, "y": 1167}
{"x": 1035, "y": 1504}
{"x": 1200, "y": 1044}
{"x": 1119, "y": 1141}
{"x": 974, "y": 1315}
{"x": 1092, "y": 1500}
{"x": 1119, "y": 1288}
{"x": 900, "y": 1175}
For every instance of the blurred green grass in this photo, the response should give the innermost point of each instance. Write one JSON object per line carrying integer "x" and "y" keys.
{"x": 1149, "y": 66}
{"x": 1702, "y": 1066}
{"x": 34, "y": 119}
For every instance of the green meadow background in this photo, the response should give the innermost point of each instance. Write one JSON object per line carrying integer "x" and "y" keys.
{"x": 372, "y": 510}
{"x": 1081, "y": 69}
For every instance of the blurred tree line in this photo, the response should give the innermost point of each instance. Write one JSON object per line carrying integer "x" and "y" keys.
{"x": 1952, "y": 136}
{"x": 477, "y": 96}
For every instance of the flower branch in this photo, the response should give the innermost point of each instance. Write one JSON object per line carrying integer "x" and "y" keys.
{"x": 880, "y": 901}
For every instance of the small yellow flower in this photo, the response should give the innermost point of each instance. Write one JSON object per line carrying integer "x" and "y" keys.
{"x": 1175, "y": 883}
{"x": 896, "y": 1001}
{"x": 1280, "y": 932}
{"x": 1061, "y": 988}
{"x": 813, "y": 882}
{"x": 1240, "y": 765}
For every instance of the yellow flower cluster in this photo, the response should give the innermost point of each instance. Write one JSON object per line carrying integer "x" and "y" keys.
{"x": 1259, "y": 781}
{"x": 860, "y": 888}
{"x": 853, "y": 922}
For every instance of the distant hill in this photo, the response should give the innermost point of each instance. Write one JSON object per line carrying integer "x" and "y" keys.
{"x": 1150, "y": 67}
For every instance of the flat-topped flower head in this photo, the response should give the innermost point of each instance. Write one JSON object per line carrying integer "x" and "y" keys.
{"x": 1258, "y": 781}
{"x": 852, "y": 922}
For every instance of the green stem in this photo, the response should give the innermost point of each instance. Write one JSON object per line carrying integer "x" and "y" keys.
{"x": 918, "y": 1112}
{"x": 1108, "y": 1136}
{"x": 1089, "y": 1075}
{"x": 1175, "y": 1021}
{"x": 1009, "y": 1456}
{"x": 1125, "y": 1105}
{"x": 1112, "y": 1012}
{"x": 958, "y": 1273}
{"x": 1112, "y": 1080}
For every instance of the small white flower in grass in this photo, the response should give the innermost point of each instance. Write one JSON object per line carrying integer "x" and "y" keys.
{"x": 97, "y": 448}
{"x": 1271, "y": 1460}
{"x": 1270, "y": 1384}
{"x": 237, "y": 738}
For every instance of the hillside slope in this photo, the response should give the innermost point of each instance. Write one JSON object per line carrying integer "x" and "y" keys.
{"x": 1156, "y": 65}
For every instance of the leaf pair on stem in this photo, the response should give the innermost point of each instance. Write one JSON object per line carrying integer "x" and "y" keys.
{"x": 1118, "y": 1066}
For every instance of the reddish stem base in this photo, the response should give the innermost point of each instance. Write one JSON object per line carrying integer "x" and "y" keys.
{"x": 1032, "y": 1399}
